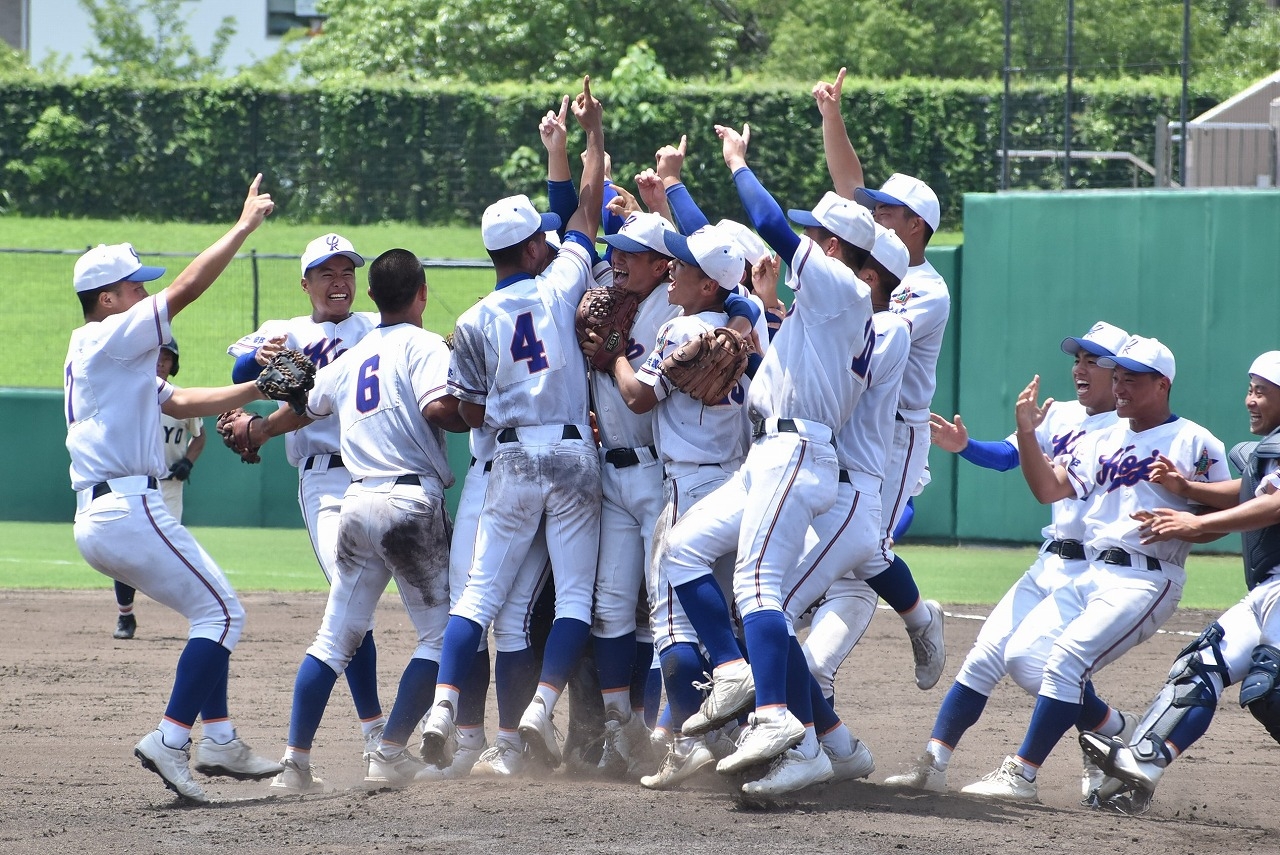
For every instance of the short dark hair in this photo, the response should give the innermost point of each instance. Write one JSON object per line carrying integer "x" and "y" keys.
{"x": 888, "y": 280}
{"x": 853, "y": 256}
{"x": 510, "y": 256}
{"x": 89, "y": 299}
{"x": 394, "y": 279}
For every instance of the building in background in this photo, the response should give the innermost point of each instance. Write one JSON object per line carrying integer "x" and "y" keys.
{"x": 45, "y": 28}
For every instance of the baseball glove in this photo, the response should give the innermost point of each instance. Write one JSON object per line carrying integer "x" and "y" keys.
{"x": 609, "y": 313}
{"x": 707, "y": 367}
{"x": 288, "y": 377}
{"x": 233, "y": 427}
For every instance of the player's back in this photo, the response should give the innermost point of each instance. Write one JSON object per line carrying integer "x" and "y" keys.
{"x": 862, "y": 443}
{"x": 924, "y": 301}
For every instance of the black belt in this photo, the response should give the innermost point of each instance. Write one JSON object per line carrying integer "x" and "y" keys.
{"x": 1120, "y": 558}
{"x": 100, "y": 490}
{"x": 1071, "y": 550}
{"x": 784, "y": 426}
{"x": 510, "y": 435}
{"x": 844, "y": 477}
{"x": 335, "y": 462}
{"x": 897, "y": 417}
{"x": 621, "y": 458}
{"x": 488, "y": 465}
{"x": 409, "y": 479}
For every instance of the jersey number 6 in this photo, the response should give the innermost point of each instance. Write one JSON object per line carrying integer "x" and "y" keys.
{"x": 368, "y": 392}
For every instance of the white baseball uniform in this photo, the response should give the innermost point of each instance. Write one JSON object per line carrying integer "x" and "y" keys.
{"x": 176, "y": 434}
{"x": 393, "y": 522}
{"x": 518, "y": 356}
{"x": 1092, "y": 620}
{"x": 123, "y": 527}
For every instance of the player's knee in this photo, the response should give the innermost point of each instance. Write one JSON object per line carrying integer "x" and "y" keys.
{"x": 982, "y": 672}
{"x": 1026, "y": 670}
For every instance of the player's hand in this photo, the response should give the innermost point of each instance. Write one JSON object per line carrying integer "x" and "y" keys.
{"x": 1166, "y": 524}
{"x": 1027, "y": 412}
{"x": 764, "y": 281}
{"x": 181, "y": 469}
{"x": 828, "y": 96}
{"x": 590, "y": 343}
{"x": 624, "y": 204}
{"x": 734, "y": 145}
{"x": 652, "y": 193}
{"x": 554, "y": 129}
{"x": 1166, "y": 474}
{"x": 587, "y": 109}
{"x": 270, "y": 348}
{"x": 257, "y": 205}
{"x": 670, "y": 161}
{"x": 950, "y": 436}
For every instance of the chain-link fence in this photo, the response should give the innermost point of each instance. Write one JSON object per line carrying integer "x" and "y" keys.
{"x": 255, "y": 287}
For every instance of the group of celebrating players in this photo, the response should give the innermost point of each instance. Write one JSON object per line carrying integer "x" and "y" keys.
{"x": 661, "y": 530}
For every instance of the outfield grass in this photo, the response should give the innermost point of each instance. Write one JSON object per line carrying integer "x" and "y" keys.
{"x": 44, "y": 556}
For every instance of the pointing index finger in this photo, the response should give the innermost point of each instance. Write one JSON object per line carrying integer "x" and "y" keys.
{"x": 839, "y": 83}
{"x": 253, "y": 187}
{"x": 564, "y": 110}
{"x": 683, "y": 144}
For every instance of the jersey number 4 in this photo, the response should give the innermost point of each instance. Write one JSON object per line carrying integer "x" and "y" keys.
{"x": 525, "y": 344}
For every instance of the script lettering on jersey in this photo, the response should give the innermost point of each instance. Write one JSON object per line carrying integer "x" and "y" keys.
{"x": 323, "y": 352}
{"x": 1125, "y": 469}
{"x": 1065, "y": 442}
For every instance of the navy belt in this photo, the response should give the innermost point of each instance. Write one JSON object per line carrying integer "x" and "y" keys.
{"x": 844, "y": 477}
{"x": 100, "y": 490}
{"x": 784, "y": 426}
{"x": 510, "y": 435}
{"x": 1120, "y": 558}
{"x": 409, "y": 479}
{"x": 488, "y": 465}
{"x": 1071, "y": 550}
{"x": 621, "y": 458}
{"x": 335, "y": 462}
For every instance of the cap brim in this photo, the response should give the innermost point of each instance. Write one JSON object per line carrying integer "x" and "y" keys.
{"x": 551, "y": 223}
{"x": 870, "y": 198}
{"x": 144, "y": 274}
{"x": 628, "y": 244}
{"x": 1072, "y": 345}
{"x": 678, "y": 246}
{"x": 356, "y": 258}
{"x": 1127, "y": 364}
{"x": 804, "y": 218}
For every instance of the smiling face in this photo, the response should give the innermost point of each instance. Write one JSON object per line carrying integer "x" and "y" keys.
{"x": 1093, "y": 384}
{"x": 638, "y": 272}
{"x": 331, "y": 285}
{"x": 1141, "y": 396}
{"x": 1263, "y": 403}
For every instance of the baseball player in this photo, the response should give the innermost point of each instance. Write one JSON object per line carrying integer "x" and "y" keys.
{"x": 122, "y": 526}
{"x": 183, "y": 442}
{"x": 1243, "y": 645}
{"x": 391, "y": 405}
{"x": 331, "y": 328}
{"x": 1131, "y": 587}
{"x": 908, "y": 207}
{"x": 806, "y": 387}
{"x": 1062, "y": 557}
{"x": 700, "y": 446}
{"x": 518, "y": 371}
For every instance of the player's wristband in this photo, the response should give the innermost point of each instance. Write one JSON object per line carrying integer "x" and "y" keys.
{"x": 246, "y": 368}
{"x": 738, "y": 306}
{"x": 1001, "y": 456}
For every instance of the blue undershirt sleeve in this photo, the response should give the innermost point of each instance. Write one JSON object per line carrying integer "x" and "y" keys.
{"x": 737, "y": 306}
{"x": 562, "y": 199}
{"x": 766, "y": 214}
{"x": 688, "y": 216}
{"x": 246, "y": 368}
{"x": 1001, "y": 456}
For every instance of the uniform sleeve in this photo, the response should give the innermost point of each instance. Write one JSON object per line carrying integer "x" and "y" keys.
{"x": 569, "y": 273}
{"x": 467, "y": 378}
{"x": 688, "y": 216}
{"x": 164, "y": 390}
{"x": 429, "y": 369}
{"x": 144, "y": 327}
{"x": 255, "y": 340}
{"x": 195, "y": 427}
{"x": 1082, "y": 468}
{"x": 322, "y": 400}
{"x": 925, "y": 309}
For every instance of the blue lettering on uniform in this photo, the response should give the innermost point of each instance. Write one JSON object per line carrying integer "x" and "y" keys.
{"x": 1124, "y": 469}
{"x": 323, "y": 352}
{"x": 635, "y": 349}
{"x": 1064, "y": 443}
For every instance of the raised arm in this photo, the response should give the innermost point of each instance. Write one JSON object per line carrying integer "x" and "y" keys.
{"x": 208, "y": 265}
{"x": 587, "y": 110}
{"x": 562, "y": 198}
{"x": 1048, "y": 481}
{"x": 765, "y": 212}
{"x": 842, "y": 160}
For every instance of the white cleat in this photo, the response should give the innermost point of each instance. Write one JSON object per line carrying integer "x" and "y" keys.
{"x": 731, "y": 693}
{"x": 1005, "y": 783}
{"x": 171, "y": 764}
{"x": 295, "y": 779}
{"x": 791, "y": 771}
{"x": 504, "y": 759}
{"x": 677, "y": 767}
{"x": 539, "y": 733}
{"x": 399, "y": 769}
{"x": 857, "y": 765}
{"x": 464, "y": 760}
{"x": 1092, "y": 778}
{"x": 761, "y": 741}
{"x": 922, "y": 776}
{"x": 233, "y": 760}
{"x": 928, "y": 648}
{"x": 626, "y": 747}
{"x": 437, "y": 736}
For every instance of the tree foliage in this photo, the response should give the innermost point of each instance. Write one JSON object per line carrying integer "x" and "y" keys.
{"x": 148, "y": 39}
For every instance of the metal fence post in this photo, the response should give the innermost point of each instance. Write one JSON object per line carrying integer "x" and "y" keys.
{"x": 253, "y": 258}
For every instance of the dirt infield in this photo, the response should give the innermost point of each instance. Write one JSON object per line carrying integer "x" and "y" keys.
{"x": 75, "y": 701}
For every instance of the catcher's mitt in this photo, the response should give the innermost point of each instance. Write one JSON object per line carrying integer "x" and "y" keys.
{"x": 608, "y": 312}
{"x": 288, "y": 377}
{"x": 708, "y": 366}
{"x": 233, "y": 427}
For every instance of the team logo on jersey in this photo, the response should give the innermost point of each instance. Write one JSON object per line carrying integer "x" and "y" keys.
{"x": 902, "y": 296}
{"x": 323, "y": 352}
{"x": 1125, "y": 469}
{"x": 634, "y": 348}
{"x": 1203, "y": 464}
{"x": 1064, "y": 443}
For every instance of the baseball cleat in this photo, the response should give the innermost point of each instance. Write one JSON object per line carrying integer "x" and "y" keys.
{"x": 126, "y": 626}
{"x": 371, "y": 741}
{"x": 539, "y": 733}
{"x": 399, "y": 769}
{"x": 677, "y": 767}
{"x": 761, "y": 741}
{"x": 464, "y": 760}
{"x": 171, "y": 765}
{"x": 922, "y": 776}
{"x": 1121, "y": 761}
{"x": 1005, "y": 783}
{"x": 626, "y": 746}
{"x": 859, "y": 764}
{"x": 791, "y": 771}
{"x": 1093, "y": 777}
{"x": 233, "y": 760}
{"x": 437, "y": 733}
{"x": 295, "y": 779}
{"x": 504, "y": 759}
{"x": 731, "y": 692}
{"x": 928, "y": 649}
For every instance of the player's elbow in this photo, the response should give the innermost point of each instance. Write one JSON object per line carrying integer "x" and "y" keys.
{"x": 472, "y": 414}
{"x": 445, "y": 414}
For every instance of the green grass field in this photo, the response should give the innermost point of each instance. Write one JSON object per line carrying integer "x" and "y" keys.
{"x": 44, "y": 556}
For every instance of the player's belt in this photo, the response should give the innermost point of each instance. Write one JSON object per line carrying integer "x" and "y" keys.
{"x": 1120, "y": 558}
{"x": 510, "y": 435}
{"x": 1071, "y": 550}
{"x": 335, "y": 462}
{"x": 621, "y": 458}
{"x": 488, "y": 465}
{"x": 805, "y": 428}
{"x": 100, "y": 490}
{"x": 844, "y": 477}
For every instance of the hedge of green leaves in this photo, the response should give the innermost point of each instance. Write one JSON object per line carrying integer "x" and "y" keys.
{"x": 441, "y": 154}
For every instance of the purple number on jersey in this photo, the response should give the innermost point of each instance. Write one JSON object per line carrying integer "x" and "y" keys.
{"x": 525, "y": 344}
{"x": 368, "y": 393}
{"x": 862, "y": 362}
{"x": 71, "y": 385}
